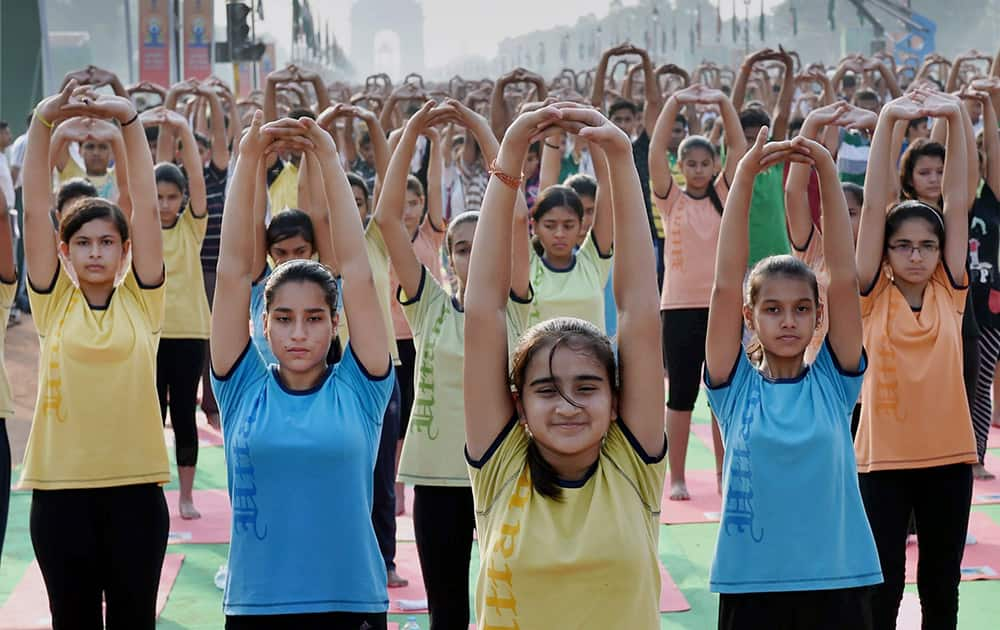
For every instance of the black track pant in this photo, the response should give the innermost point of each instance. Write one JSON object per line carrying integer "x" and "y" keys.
{"x": 178, "y": 370}
{"x": 835, "y": 609}
{"x": 4, "y": 480}
{"x": 443, "y": 521}
{"x": 939, "y": 499}
{"x": 95, "y": 541}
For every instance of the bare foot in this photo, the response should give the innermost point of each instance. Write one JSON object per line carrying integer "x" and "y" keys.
{"x": 394, "y": 581}
{"x": 187, "y": 510}
{"x": 679, "y": 491}
{"x": 979, "y": 472}
{"x": 213, "y": 421}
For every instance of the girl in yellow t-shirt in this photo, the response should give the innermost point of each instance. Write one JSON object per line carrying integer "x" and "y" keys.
{"x": 8, "y": 287}
{"x": 567, "y": 470}
{"x": 181, "y": 354}
{"x": 568, "y": 280}
{"x": 915, "y": 445}
{"x": 691, "y": 215}
{"x": 96, "y": 459}
{"x": 443, "y": 514}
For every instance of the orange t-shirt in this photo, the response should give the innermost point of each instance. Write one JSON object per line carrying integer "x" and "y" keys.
{"x": 812, "y": 256}
{"x": 427, "y": 247}
{"x": 914, "y": 412}
{"x": 689, "y": 246}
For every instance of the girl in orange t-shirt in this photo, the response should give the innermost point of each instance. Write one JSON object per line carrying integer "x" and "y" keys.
{"x": 692, "y": 217}
{"x": 915, "y": 445}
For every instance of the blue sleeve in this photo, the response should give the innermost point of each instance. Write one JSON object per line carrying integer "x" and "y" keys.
{"x": 244, "y": 380}
{"x": 727, "y": 398}
{"x": 371, "y": 393}
{"x": 844, "y": 383}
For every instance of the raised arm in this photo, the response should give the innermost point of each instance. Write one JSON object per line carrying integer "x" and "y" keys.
{"x": 220, "y": 143}
{"x": 954, "y": 183}
{"x": 191, "y": 161}
{"x": 736, "y": 143}
{"x": 435, "y": 173}
{"x": 991, "y": 146}
{"x": 235, "y": 271}
{"x": 843, "y": 309}
{"x": 725, "y": 330}
{"x": 259, "y": 228}
{"x": 641, "y": 401}
{"x": 488, "y": 402}
{"x": 783, "y": 108}
{"x": 389, "y": 210}
{"x": 314, "y": 203}
{"x": 878, "y": 189}
{"x": 40, "y": 251}
{"x": 500, "y": 115}
{"x": 603, "y": 230}
{"x": 659, "y": 167}
{"x": 364, "y": 315}
{"x": 550, "y": 167}
{"x": 8, "y": 270}
{"x": 379, "y": 145}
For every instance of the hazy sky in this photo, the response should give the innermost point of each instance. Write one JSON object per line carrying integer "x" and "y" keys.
{"x": 453, "y": 28}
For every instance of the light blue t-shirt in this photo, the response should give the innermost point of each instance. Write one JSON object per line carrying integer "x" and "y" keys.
{"x": 299, "y": 472}
{"x": 792, "y": 516}
{"x": 257, "y": 315}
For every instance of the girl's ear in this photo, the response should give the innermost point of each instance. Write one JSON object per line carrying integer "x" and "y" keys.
{"x": 748, "y": 316}
{"x": 64, "y": 249}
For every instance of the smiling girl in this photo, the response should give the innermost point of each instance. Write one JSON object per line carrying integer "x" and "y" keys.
{"x": 566, "y": 450}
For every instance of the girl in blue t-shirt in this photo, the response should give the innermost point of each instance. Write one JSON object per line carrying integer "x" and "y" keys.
{"x": 786, "y": 424}
{"x": 301, "y": 437}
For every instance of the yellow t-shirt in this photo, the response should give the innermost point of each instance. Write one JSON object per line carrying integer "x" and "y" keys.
{"x": 107, "y": 185}
{"x": 574, "y": 292}
{"x": 7, "y": 293}
{"x": 378, "y": 259}
{"x": 284, "y": 190}
{"x": 186, "y": 315}
{"x": 97, "y": 419}
{"x": 588, "y": 561}
{"x": 914, "y": 411}
{"x": 432, "y": 450}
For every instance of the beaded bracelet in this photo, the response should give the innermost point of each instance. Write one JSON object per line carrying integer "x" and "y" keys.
{"x": 510, "y": 180}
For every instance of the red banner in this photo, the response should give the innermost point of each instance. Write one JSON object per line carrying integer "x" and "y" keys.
{"x": 154, "y": 41}
{"x": 198, "y": 31}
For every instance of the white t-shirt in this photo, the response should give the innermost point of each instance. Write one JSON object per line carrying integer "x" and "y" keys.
{"x": 6, "y": 183}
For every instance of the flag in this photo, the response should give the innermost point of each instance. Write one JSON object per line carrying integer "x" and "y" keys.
{"x": 327, "y": 49}
{"x": 673, "y": 32}
{"x": 795, "y": 19}
{"x": 831, "y": 18}
{"x": 691, "y": 37}
{"x": 761, "y": 20}
{"x": 698, "y": 25}
{"x": 260, "y": 9}
{"x": 296, "y": 21}
{"x": 718, "y": 22}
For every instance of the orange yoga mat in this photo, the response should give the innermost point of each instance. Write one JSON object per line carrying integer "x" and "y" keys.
{"x": 981, "y": 560}
{"x": 412, "y": 599}
{"x": 27, "y": 608}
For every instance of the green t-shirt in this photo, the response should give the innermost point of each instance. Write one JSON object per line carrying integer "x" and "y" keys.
{"x": 768, "y": 232}
{"x": 433, "y": 448}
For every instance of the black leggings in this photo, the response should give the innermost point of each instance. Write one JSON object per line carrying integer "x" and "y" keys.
{"x": 4, "y": 480}
{"x": 684, "y": 331}
{"x": 939, "y": 499}
{"x": 834, "y": 609}
{"x": 313, "y": 621}
{"x": 443, "y": 521}
{"x": 96, "y": 541}
{"x": 407, "y": 389}
{"x": 178, "y": 370}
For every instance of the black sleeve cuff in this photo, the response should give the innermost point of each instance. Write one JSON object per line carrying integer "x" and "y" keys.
{"x": 236, "y": 363}
{"x": 149, "y": 287}
{"x": 479, "y": 463}
{"x": 641, "y": 452}
{"x": 413, "y": 299}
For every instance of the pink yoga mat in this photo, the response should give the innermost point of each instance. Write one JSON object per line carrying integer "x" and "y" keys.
{"x": 212, "y": 528}
{"x": 705, "y": 505}
{"x": 981, "y": 560}
{"x": 909, "y": 616}
{"x": 993, "y": 439}
{"x": 987, "y": 492}
{"x": 408, "y": 566}
{"x": 28, "y": 606}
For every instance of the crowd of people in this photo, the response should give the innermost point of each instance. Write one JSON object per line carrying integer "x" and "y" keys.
{"x": 479, "y": 289}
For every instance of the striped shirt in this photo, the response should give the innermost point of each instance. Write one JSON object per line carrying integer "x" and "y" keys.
{"x": 215, "y": 200}
{"x": 852, "y": 157}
